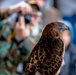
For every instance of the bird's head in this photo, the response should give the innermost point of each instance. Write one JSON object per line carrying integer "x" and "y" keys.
{"x": 54, "y": 29}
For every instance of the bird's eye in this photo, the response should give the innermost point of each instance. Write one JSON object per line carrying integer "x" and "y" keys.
{"x": 61, "y": 29}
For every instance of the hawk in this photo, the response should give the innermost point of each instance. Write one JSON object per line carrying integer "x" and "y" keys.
{"x": 46, "y": 57}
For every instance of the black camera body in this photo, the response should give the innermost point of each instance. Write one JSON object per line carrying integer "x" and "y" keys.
{"x": 27, "y": 18}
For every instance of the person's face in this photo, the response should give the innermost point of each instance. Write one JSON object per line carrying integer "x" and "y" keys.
{"x": 66, "y": 37}
{"x": 35, "y": 18}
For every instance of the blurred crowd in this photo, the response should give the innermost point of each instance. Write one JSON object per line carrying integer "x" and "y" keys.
{"x": 21, "y": 26}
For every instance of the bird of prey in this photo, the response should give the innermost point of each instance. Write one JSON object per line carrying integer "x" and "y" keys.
{"x": 46, "y": 57}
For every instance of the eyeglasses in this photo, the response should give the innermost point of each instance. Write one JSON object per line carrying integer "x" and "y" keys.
{"x": 37, "y": 14}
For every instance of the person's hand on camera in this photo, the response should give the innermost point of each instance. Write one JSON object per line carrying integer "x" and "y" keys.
{"x": 23, "y": 7}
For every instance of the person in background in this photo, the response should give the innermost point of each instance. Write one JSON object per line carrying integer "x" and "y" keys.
{"x": 70, "y": 53}
{"x": 26, "y": 37}
{"x": 31, "y": 35}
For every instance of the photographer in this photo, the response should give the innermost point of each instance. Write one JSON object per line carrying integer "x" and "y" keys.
{"x": 28, "y": 32}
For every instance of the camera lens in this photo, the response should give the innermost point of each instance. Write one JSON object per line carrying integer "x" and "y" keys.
{"x": 27, "y": 18}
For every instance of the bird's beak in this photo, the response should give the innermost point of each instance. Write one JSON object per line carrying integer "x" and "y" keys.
{"x": 63, "y": 27}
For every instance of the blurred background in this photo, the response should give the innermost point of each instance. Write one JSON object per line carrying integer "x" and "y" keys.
{"x": 21, "y": 26}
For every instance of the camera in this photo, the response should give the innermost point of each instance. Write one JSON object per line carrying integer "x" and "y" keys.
{"x": 27, "y": 18}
